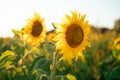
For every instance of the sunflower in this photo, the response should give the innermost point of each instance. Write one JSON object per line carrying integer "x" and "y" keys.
{"x": 35, "y": 31}
{"x": 72, "y": 36}
{"x": 117, "y": 43}
{"x": 50, "y": 36}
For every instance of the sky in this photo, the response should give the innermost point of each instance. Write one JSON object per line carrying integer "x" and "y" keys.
{"x": 14, "y": 13}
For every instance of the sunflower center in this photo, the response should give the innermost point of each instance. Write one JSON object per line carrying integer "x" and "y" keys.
{"x": 74, "y": 35}
{"x": 36, "y": 28}
{"x": 118, "y": 43}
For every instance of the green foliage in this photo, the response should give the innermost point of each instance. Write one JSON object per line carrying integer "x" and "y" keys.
{"x": 22, "y": 62}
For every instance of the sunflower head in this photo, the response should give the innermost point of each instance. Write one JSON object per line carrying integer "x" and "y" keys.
{"x": 117, "y": 43}
{"x": 34, "y": 32}
{"x": 72, "y": 36}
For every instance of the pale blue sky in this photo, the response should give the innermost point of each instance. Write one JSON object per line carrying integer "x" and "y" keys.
{"x": 14, "y": 13}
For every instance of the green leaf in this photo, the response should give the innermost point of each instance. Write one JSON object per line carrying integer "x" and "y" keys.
{"x": 6, "y": 53}
{"x": 49, "y": 48}
{"x": 108, "y": 59}
{"x": 71, "y": 77}
{"x": 41, "y": 64}
{"x": 8, "y": 63}
{"x": 113, "y": 74}
{"x": 6, "y": 58}
{"x": 116, "y": 54}
{"x": 53, "y": 24}
{"x": 17, "y": 32}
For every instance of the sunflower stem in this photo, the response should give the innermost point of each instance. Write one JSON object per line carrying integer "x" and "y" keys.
{"x": 54, "y": 66}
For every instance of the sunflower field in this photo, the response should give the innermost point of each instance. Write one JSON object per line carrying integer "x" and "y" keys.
{"x": 74, "y": 50}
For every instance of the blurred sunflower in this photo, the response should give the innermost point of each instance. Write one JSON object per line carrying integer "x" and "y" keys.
{"x": 117, "y": 43}
{"x": 71, "y": 77}
{"x": 35, "y": 31}
{"x": 50, "y": 36}
{"x": 72, "y": 36}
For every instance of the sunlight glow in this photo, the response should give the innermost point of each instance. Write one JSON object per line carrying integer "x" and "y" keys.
{"x": 14, "y": 13}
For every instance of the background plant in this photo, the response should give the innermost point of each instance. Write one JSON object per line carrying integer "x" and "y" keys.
{"x": 22, "y": 62}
